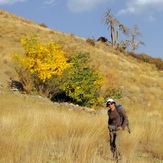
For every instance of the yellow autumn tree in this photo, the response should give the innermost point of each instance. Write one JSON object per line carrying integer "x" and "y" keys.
{"x": 40, "y": 59}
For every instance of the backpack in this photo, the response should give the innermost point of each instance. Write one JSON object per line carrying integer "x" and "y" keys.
{"x": 121, "y": 116}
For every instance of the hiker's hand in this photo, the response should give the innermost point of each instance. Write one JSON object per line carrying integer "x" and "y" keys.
{"x": 119, "y": 128}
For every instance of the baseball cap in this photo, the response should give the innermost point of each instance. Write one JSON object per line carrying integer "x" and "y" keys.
{"x": 110, "y": 100}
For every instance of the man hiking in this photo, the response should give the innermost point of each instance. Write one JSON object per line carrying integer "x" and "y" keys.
{"x": 116, "y": 128}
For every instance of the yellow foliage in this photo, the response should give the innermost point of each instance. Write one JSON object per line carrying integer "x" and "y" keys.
{"x": 44, "y": 60}
{"x": 101, "y": 80}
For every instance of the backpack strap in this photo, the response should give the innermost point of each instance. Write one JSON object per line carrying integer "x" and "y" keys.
{"x": 108, "y": 113}
{"x": 119, "y": 107}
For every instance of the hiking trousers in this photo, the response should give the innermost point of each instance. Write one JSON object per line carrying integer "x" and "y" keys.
{"x": 116, "y": 145}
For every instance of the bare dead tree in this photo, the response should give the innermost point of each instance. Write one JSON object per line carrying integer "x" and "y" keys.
{"x": 112, "y": 22}
{"x": 135, "y": 36}
{"x": 125, "y": 44}
{"x": 125, "y": 30}
{"x": 115, "y": 27}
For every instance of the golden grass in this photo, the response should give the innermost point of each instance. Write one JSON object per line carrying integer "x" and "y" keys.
{"x": 35, "y": 131}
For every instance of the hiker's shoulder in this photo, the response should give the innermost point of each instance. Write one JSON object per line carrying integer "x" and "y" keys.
{"x": 120, "y": 108}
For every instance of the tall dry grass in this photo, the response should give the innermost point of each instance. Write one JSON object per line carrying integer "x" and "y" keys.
{"x": 33, "y": 131}
{"x": 37, "y": 131}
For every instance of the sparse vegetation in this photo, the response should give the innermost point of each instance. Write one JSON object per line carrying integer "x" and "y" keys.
{"x": 91, "y": 41}
{"x": 158, "y": 62}
{"x": 43, "y": 25}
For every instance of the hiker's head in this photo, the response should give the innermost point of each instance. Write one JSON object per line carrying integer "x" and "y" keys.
{"x": 110, "y": 102}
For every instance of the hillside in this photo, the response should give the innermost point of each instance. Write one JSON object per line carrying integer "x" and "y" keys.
{"x": 37, "y": 130}
{"x": 140, "y": 82}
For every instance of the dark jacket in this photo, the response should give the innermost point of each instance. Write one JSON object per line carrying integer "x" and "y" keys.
{"x": 114, "y": 118}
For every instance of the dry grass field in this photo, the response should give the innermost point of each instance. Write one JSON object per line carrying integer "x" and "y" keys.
{"x": 34, "y": 130}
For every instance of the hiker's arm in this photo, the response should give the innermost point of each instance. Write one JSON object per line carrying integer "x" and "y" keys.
{"x": 125, "y": 118}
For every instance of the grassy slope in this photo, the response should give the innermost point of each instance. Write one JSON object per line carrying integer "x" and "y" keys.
{"x": 140, "y": 82}
{"x": 142, "y": 86}
{"x": 34, "y": 130}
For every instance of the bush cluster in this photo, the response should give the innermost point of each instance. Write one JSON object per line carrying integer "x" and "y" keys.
{"x": 47, "y": 70}
{"x": 43, "y": 25}
{"x": 158, "y": 62}
{"x": 91, "y": 41}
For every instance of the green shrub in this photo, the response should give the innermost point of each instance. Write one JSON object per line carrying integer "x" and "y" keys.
{"x": 50, "y": 72}
{"x": 83, "y": 82}
{"x": 90, "y": 41}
